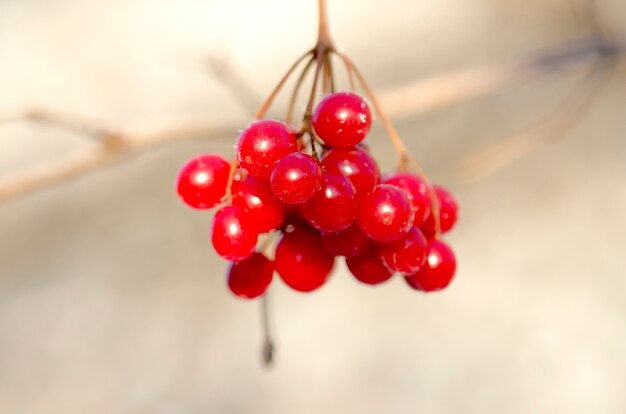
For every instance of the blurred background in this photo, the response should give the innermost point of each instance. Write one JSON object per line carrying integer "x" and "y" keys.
{"x": 113, "y": 301}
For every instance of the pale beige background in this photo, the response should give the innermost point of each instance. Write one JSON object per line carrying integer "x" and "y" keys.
{"x": 112, "y": 301}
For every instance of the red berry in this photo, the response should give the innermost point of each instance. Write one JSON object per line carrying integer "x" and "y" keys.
{"x": 356, "y": 164}
{"x": 296, "y": 178}
{"x": 406, "y": 255}
{"x": 438, "y": 270}
{"x": 202, "y": 181}
{"x": 333, "y": 208}
{"x": 368, "y": 268}
{"x": 250, "y": 278}
{"x": 301, "y": 260}
{"x": 232, "y": 234}
{"x": 385, "y": 214}
{"x": 448, "y": 212}
{"x": 348, "y": 242}
{"x": 254, "y": 196}
{"x": 342, "y": 119}
{"x": 262, "y": 145}
{"x": 417, "y": 189}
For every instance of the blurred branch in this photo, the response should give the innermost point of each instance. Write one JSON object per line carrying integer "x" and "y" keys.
{"x": 237, "y": 84}
{"x": 111, "y": 144}
{"x": 443, "y": 90}
{"x": 403, "y": 100}
{"x": 548, "y": 129}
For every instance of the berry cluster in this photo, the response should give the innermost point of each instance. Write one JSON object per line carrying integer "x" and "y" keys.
{"x": 323, "y": 200}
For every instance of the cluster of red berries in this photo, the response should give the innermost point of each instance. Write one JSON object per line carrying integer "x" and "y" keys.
{"x": 334, "y": 205}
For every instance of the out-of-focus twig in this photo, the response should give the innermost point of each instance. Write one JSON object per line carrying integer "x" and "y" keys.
{"x": 110, "y": 144}
{"x": 548, "y": 129}
{"x": 237, "y": 84}
{"x": 442, "y": 90}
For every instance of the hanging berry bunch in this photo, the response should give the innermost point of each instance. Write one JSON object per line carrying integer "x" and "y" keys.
{"x": 297, "y": 196}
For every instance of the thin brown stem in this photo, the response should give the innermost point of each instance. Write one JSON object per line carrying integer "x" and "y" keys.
{"x": 234, "y": 165}
{"x": 332, "y": 72}
{"x": 296, "y": 90}
{"x": 306, "y": 122}
{"x": 270, "y": 99}
{"x": 323, "y": 37}
{"x": 397, "y": 142}
{"x": 329, "y": 78}
{"x": 326, "y": 76}
{"x": 319, "y": 61}
{"x": 349, "y": 70}
{"x": 268, "y": 342}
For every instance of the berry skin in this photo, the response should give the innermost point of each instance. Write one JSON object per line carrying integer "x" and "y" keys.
{"x": 348, "y": 242}
{"x": 301, "y": 261}
{"x": 385, "y": 214}
{"x": 438, "y": 270}
{"x": 333, "y": 208}
{"x": 250, "y": 278}
{"x": 406, "y": 255}
{"x": 342, "y": 120}
{"x": 233, "y": 234}
{"x": 357, "y": 165}
{"x": 254, "y": 196}
{"x": 296, "y": 178}
{"x": 448, "y": 212}
{"x": 262, "y": 145}
{"x": 417, "y": 189}
{"x": 202, "y": 181}
{"x": 368, "y": 268}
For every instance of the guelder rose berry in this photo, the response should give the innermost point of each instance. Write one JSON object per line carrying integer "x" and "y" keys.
{"x": 321, "y": 209}
{"x": 233, "y": 234}
{"x": 348, "y": 242}
{"x": 417, "y": 189}
{"x": 406, "y": 255}
{"x": 333, "y": 208}
{"x": 301, "y": 261}
{"x": 296, "y": 178}
{"x": 254, "y": 196}
{"x": 262, "y": 145}
{"x": 250, "y": 277}
{"x": 385, "y": 214}
{"x": 357, "y": 165}
{"x": 342, "y": 120}
{"x": 368, "y": 268}
{"x": 201, "y": 182}
{"x": 448, "y": 212}
{"x": 438, "y": 270}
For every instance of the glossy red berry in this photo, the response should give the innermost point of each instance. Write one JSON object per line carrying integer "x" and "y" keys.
{"x": 333, "y": 208}
{"x": 342, "y": 120}
{"x": 254, "y": 196}
{"x": 301, "y": 260}
{"x": 250, "y": 278}
{"x": 368, "y": 268}
{"x": 357, "y": 165}
{"x": 406, "y": 255}
{"x": 233, "y": 234}
{"x": 296, "y": 178}
{"x": 385, "y": 214}
{"x": 262, "y": 145}
{"x": 438, "y": 270}
{"x": 417, "y": 189}
{"x": 448, "y": 212}
{"x": 348, "y": 242}
{"x": 201, "y": 182}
